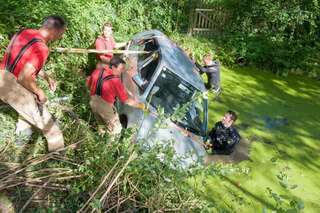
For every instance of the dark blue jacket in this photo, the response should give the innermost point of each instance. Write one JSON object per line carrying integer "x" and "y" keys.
{"x": 223, "y": 139}
{"x": 213, "y": 73}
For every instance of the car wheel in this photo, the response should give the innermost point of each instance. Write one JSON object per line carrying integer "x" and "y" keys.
{"x": 123, "y": 121}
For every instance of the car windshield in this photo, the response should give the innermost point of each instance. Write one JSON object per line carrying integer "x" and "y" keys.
{"x": 172, "y": 93}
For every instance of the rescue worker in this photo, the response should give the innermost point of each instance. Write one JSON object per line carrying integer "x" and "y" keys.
{"x": 106, "y": 42}
{"x": 223, "y": 137}
{"x": 21, "y": 65}
{"x": 212, "y": 69}
{"x": 105, "y": 86}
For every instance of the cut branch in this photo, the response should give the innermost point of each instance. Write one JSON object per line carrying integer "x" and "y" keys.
{"x": 99, "y": 187}
{"x": 131, "y": 158}
{"x": 86, "y": 51}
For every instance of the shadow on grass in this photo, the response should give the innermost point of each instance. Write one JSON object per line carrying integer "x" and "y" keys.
{"x": 249, "y": 194}
{"x": 223, "y": 205}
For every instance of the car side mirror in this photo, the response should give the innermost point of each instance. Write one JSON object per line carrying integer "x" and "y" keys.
{"x": 138, "y": 81}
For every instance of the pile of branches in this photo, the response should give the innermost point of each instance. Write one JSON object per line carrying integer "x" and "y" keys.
{"x": 19, "y": 174}
{"x": 33, "y": 174}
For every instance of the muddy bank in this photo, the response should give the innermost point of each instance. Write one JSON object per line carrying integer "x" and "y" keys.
{"x": 241, "y": 153}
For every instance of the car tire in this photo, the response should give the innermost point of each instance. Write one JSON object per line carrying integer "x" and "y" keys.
{"x": 124, "y": 121}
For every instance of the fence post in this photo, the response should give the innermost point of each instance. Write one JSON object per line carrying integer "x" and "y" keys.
{"x": 191, "y": 17}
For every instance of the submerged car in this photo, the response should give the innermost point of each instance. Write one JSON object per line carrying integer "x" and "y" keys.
{"x": 165, "y": 78}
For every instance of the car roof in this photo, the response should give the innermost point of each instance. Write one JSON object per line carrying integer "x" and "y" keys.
{"x": 174, "y": 58}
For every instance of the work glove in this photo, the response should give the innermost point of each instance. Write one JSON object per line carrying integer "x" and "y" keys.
{"x": 141, "y": 106}
{"x": 207, "y": 144}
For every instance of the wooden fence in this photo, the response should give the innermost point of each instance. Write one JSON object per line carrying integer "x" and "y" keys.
{"x": 206, "y": 21}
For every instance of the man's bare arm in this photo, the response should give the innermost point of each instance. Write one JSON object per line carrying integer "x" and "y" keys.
{"x": 52, "y": 83}
{"x": 27, "y": 80}
{"x": 105, "y": 59}
{"x": 120, "y": 44}
{"x": 43, "y": 74}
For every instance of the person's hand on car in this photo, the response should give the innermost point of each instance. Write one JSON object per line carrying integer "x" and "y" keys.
{"x": 141, "y": 106}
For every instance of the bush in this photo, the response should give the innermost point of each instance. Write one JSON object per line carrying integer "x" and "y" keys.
{"x": 277, "y": 35}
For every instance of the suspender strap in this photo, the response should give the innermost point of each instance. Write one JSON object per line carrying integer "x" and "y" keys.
{"x": 10, "y": 48}
{"x": 99, "y": 84}
{"x": 11, "y": 67}
{"x": 101, "y": 80}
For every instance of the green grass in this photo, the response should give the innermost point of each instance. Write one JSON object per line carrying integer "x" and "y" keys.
{"x": 292, "y": 149}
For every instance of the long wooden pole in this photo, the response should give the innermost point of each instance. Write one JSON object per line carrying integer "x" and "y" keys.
{"x": 86, "y": 51}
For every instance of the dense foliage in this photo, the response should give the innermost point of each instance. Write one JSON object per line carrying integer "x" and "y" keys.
{"x": 253, "y": 29}
{"x": 282, "y": 36}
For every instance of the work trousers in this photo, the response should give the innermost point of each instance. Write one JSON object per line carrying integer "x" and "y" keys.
{"x": 106, "y": 114}
{"x": 214, "y": 80}
{"x": 31, "y": 113}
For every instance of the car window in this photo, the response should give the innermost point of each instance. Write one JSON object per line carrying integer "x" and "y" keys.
{"x": 146, "y": 63}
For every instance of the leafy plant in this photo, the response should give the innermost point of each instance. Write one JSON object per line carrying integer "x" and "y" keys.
{"x": 285, "y": 202}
